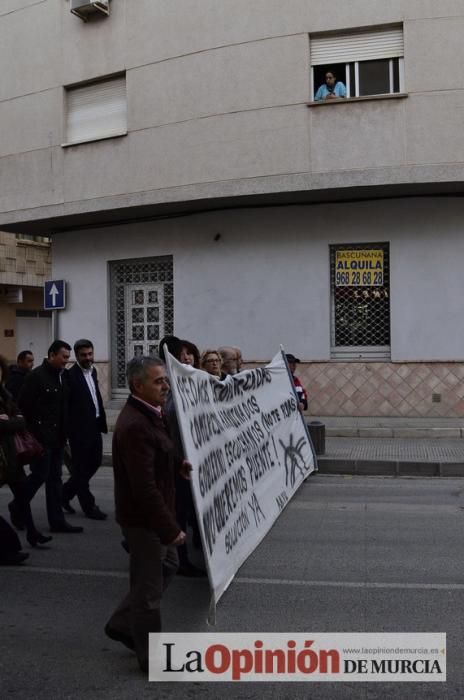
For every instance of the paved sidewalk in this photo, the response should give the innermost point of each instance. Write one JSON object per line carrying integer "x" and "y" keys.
{"x": 396, "y": 427}
{"x": 383, "y": 446}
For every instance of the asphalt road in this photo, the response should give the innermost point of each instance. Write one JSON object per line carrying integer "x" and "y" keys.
{"x": 349, "y": 554}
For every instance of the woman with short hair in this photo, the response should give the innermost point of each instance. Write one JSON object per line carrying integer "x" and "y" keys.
{"x": 211, "y": 362}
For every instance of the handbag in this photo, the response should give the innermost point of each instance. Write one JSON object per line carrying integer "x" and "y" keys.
{"x": 27, "y": 447}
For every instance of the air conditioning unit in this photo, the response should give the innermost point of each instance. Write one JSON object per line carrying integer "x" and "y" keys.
{"x": 84, "y": 9}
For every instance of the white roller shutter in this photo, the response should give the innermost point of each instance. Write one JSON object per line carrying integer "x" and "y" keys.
{"x": 96, "y": 110}
{"x": 364, "y": 46}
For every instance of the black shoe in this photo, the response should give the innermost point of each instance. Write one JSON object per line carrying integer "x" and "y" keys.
{"x": 66, "y": 527}
{"x": 67, "y": 507}
{"x": 13, "y": 558}
{"x": 119, "y": 637}
{"x": 16, "y": 518}
{"x": 36, "y": 538}
{"x": 96, "y": 514}
{"x": 191, "y": 571}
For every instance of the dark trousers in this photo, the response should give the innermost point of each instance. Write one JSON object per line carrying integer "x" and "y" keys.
{"x": 19, "y": 490}
{"x": 152, "y": 568}
{"x": 185, "y": 515}
{"x": 9, "y": 540}
{"x": 47, "y": 470}
{"x": 86, "y": 458}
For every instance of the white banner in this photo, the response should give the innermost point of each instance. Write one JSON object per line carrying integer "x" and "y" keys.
{"x": 250, "y": 451}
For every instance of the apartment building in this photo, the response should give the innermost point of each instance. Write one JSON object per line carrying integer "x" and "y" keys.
{"x": 193, "y": 184}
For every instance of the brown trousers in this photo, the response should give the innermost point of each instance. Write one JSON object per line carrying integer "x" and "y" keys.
{"x": 152, "y": 568}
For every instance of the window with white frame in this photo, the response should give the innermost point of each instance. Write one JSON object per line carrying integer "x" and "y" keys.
{"x": 96, "y": 110}
{"x": 367, "y": 62}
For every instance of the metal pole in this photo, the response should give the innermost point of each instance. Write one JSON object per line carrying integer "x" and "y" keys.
{"x": 54, "y": 325}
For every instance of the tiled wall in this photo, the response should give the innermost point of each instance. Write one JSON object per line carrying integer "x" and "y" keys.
{"x": 103, "y": 369}
{"x": 371, "y": 388}
{"x": 384, "y": 389}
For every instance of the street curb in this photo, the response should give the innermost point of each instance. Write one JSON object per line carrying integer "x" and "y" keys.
{"x": 379, "y": 467}
{"x": 367, "y": 467}
{"x": 415, "y": 433}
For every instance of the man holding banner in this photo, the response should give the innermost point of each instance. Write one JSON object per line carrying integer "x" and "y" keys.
{"x": 144, "y": 481}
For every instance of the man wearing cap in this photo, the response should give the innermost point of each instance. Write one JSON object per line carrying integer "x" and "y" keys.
{"x": 299, "y": 388}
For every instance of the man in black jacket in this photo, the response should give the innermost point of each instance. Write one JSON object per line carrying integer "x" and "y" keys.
{"x": 18, "y": 373}
{"x": 43, "y": 400}
{"x": 87, "y": 422}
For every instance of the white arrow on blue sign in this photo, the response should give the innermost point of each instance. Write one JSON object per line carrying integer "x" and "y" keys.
{"x": 55, "y": 294}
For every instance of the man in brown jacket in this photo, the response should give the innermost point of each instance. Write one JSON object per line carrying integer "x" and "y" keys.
{"x": 144, "y": 483}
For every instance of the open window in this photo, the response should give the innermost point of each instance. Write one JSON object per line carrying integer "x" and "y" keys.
{"x": 367, "y": 62}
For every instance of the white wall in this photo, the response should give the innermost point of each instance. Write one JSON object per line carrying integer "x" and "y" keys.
{"x": 217, "y": 103}
{"x": 266, "y": 280}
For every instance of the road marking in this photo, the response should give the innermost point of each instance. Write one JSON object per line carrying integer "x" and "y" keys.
{"x": 349, "y": 584}
{"x": 245, "y": 580}
{"x": 370, "y": 507}
{"x": 68, "y": 572}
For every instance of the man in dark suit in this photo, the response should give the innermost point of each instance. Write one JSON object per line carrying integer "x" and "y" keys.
{"x": 87, "y": 422}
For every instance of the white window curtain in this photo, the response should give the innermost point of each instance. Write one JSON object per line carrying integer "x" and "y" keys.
{"x": 363, "y": 46}
{"x": 96, "y": 110}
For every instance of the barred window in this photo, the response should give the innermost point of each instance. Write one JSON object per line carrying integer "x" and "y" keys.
{"x": 142, "y": 311}
{"x": 360, "y": 291}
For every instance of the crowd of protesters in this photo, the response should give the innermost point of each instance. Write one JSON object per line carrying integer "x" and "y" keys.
{"x": 43, "y": 408}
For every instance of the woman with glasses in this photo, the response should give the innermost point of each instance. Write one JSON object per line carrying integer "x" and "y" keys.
{"x": 211, "y": 362}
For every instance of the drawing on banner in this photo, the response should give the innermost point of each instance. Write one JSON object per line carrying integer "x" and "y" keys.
{"x": 250, "y": 451}
{"x": 294, "y": 459}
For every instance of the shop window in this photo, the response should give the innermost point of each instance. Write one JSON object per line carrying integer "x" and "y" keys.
{"x": 367, "y": 62}
{"x": 360, "y": 293}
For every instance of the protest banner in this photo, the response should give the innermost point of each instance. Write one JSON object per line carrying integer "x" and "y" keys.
{"x": 250, "y": 451}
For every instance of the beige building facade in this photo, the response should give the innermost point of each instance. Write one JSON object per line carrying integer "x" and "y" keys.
{"x": 25, "y": 263}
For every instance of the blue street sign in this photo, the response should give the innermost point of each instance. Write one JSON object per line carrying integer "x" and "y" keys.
{"x": 55, "y": 294}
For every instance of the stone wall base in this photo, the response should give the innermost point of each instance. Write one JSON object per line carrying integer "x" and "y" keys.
{"x": 414, "y": 389}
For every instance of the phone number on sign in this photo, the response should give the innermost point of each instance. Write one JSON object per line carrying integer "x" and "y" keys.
{"x": 354, "y": 278}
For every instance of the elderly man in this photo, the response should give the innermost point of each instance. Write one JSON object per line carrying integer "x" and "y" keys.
{"x": 144, "y": 466}
{"x": 231, "y": 359}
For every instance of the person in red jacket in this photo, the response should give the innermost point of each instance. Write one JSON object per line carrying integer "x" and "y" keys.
{"x": 300, "y": 390}
{"x": 145, "y": 465}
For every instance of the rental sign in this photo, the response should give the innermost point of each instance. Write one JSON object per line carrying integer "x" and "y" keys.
{"x": 359, "y": 268}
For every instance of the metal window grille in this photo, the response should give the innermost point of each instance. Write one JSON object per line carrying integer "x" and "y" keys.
{"x": 142, "y": 311}
{"x": 360, "y": 323}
